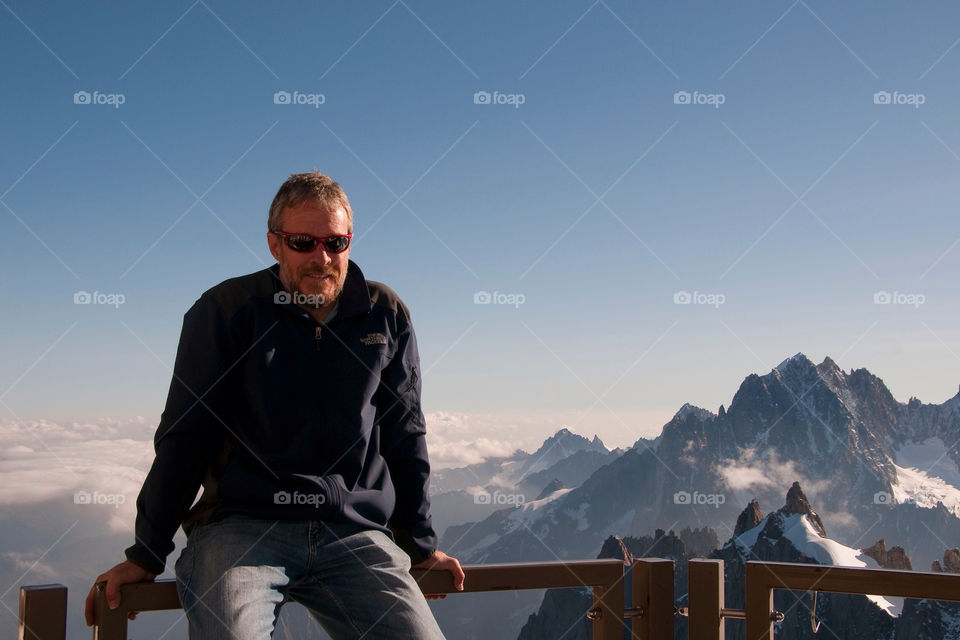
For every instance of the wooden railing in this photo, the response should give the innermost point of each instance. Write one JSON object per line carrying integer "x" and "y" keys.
{"x": 651, "y": 614}
{"x": 651, "y": 610}
{"x": 762, "y": 578}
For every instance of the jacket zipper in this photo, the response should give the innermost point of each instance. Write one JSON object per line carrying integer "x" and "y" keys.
{"x": 317, "y": 336}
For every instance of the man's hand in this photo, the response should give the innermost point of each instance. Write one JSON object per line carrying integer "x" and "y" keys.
{"x": 440, "y": 561}
{"x": 124, "y": 573}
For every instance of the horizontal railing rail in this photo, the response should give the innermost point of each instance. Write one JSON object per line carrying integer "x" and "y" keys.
{"x": 43, "y": 609}
{"x": 763, "y": 578}
{"x": 605, "y": 577}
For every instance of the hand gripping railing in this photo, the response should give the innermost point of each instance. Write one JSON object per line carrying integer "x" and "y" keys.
{"x": 651, "y": 612}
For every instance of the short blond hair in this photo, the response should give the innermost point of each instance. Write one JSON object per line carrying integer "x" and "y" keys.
{"x": 308, "y": 187}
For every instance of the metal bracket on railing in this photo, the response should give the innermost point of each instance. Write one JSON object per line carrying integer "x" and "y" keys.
{"x": 629, "y": 612}
{"x": 724, "y": 613}
{"x": 814, "y": 623}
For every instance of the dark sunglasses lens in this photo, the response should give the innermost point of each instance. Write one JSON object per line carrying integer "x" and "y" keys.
{"x": 337, "y": 244}
{"x": 301, "y": 243}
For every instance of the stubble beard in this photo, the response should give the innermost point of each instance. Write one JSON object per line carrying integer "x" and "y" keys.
{"x": 313, "y": 299}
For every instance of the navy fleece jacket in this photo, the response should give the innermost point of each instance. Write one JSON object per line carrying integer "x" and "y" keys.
{"x": 281, "y": 417}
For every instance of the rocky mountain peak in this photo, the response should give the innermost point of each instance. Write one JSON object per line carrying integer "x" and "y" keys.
{"x": 951, "y": 562}
{"x": 797, "y": 360}
{"x": 895, "y": 558}
{"x": 614, "y": 547}
{"x": 748, "y": 518}
{"x": 688, "y": 410}
{"x": 954, "y": 403}
{"x": 564, "y": 442}
{"x": 797, "y": 503}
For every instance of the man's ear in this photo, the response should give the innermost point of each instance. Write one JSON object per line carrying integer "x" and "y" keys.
{"x": 274, "y": 241}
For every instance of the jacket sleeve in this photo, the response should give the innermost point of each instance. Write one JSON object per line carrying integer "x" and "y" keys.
{"x": 191, "y": 431}
{"x": 403, "y": 436}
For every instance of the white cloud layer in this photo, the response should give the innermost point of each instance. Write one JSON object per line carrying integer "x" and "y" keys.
{"x": 456, "y": 439}
{"x": 753, "y": 472}
{"x": 100, "y": 464}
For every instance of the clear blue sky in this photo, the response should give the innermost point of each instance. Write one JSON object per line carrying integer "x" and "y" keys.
{"x": 596, "y": 199}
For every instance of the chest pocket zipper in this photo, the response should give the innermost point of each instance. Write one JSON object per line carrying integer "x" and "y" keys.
{"x": 317, "y": 336}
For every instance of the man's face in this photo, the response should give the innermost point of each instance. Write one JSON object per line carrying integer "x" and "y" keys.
{"x": 317, "y": 272}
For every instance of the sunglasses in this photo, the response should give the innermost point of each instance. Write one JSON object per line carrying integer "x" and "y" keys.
{"x": 305, "y": 243}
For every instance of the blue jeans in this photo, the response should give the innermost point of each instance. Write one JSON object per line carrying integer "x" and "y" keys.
{"x": 234, "y": 575}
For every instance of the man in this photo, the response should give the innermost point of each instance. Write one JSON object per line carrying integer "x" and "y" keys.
{"x": 295, "y": 402}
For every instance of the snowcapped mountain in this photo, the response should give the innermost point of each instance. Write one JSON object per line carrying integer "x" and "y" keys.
{"x": 474, "y": 492}
{"x": 878, "y": 467}
{"x": 843, "y": 435}
{"x": 796, "y": 534}
{"x": 512, "y": 471}
{"x": 926, "y": 475}
{"x": 798, "y": 529}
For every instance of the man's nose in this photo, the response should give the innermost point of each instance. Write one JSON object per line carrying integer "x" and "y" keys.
{"x": 321, "y": 255}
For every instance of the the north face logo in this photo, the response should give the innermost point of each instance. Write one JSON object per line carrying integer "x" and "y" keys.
{"x": 374, "y": 338}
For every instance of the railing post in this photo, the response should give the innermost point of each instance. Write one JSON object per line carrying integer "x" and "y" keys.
{"x": 705, "y": 599}
{"x": 652, "y": 585}
{"x": 43, "y": 612}
{"x": 111, "y": 623}
{"x": 758, "y": 603}
{"x": 608, "y": 599}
